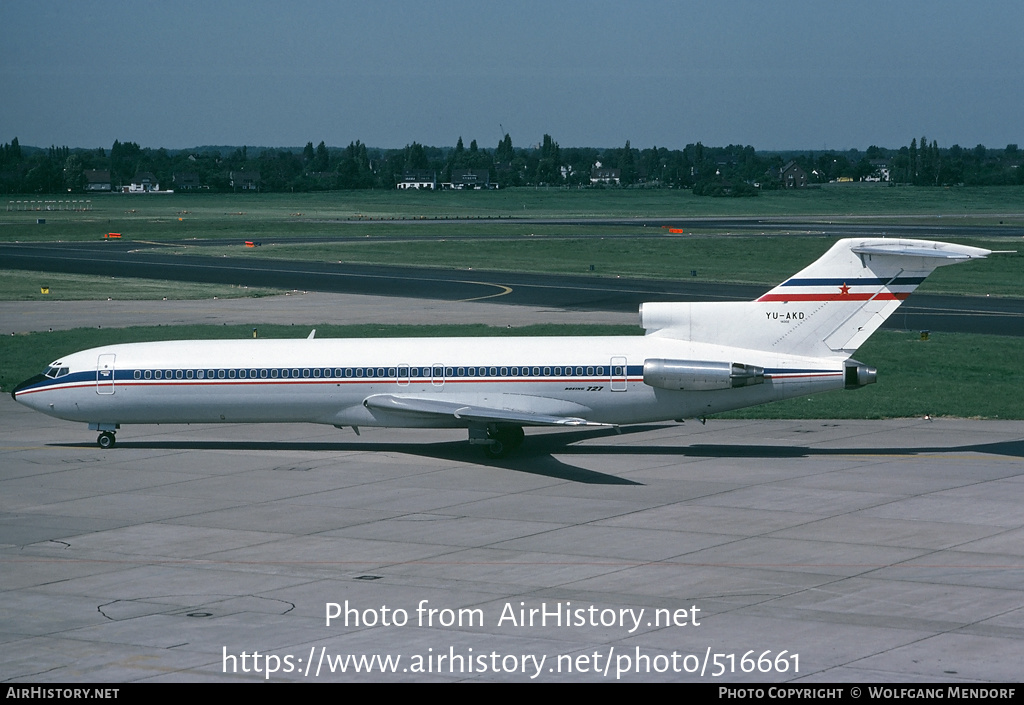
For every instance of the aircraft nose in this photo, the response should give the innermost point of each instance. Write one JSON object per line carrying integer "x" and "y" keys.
{"x": 31, "y": 381}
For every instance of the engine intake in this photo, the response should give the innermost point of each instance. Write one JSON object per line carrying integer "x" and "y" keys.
{"x": 699, "y": 375}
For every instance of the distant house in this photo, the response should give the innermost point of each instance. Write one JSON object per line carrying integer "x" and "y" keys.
{"x": 471, "y": 179}
{"x": 603, "y": 175}
{"x": 418, "y": 179}
{"x": 244, "y": 180}
{"x": 187, "y": 181}
{"x": 143, "y": 182}
{"x": 792, "y": 176}
{"x": 881, "y": 170}
{"x": 97, "y": 180}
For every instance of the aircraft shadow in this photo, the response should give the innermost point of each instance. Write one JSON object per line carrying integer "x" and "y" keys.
{"x": 536, "y": 456}
{"x": 529, "y": 460}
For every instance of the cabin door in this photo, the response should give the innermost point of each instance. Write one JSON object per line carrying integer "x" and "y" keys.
{"x": 618, "y": 370}
{"x": 105, "y": 373}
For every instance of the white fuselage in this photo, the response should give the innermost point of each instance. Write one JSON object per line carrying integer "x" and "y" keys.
{"x": 599, "y": 379}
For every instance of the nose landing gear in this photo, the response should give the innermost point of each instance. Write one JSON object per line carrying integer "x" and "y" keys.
{"x": 107, "y": 439}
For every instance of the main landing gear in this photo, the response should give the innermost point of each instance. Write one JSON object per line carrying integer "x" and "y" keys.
{"x": 498, "y": 440}
{"x": 105, "y": 440}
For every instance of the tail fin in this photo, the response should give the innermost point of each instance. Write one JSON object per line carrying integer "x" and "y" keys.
{"x": 829, "y": 308}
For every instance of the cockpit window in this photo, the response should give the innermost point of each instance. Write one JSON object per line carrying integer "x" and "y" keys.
{"x": 54, "y": 371}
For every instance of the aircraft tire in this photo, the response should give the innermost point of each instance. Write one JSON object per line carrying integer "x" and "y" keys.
{"x": 496, "y": 449}
{"x": 504, "y": 441}
{"x": 106, "y": 440}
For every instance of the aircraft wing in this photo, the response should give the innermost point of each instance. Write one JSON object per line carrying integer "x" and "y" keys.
{"x": 423, "y": 406}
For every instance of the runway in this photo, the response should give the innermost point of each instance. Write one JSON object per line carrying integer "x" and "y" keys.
{"x": 966, "y": 314}
{"x": 831, "y": 551}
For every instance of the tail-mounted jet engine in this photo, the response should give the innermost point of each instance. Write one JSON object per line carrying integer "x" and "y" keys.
{"x": 857, "y": 374}
{"x": 699, "y": 375}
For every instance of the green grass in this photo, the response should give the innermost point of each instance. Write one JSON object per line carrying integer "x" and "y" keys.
{"x": 163, "y": 217}
{"x": 18, "y": 285}
{"x": 495, "y": 237}
{"x": 949, "y": 375}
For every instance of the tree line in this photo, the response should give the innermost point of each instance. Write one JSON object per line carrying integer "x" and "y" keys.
{"x": 734, "y": 170}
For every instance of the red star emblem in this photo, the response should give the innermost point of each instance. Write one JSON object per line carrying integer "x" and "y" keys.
{"x": 844, "y": 290}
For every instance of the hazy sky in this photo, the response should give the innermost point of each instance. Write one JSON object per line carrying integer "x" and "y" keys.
{"x": 776, "y": 75}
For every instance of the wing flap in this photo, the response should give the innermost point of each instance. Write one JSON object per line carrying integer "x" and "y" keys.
{"x": 420, "y": 406}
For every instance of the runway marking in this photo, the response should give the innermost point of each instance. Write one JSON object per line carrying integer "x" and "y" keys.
{"x": 158, "y": 244}
{"x": 507, "y": 290}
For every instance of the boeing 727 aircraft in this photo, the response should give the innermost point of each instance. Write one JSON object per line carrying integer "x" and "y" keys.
{"x": 695, "y": 359}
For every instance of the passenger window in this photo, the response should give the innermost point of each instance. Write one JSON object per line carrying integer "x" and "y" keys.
{"x": 138, "y": 374}
{"x": 148, "y": 374}
{"x": 316, "y": 371}
{"x": 348, "y": 371}
{"x": 391, "y": 372}
{"x": 263, "y": 374}
{"x": 220, "y": 374}
{"x": 200, "y": 374}
{"x": 189, "y": 374}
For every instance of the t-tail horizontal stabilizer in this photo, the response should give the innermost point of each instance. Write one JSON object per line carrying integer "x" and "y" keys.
{"x": 830, "y": 307}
